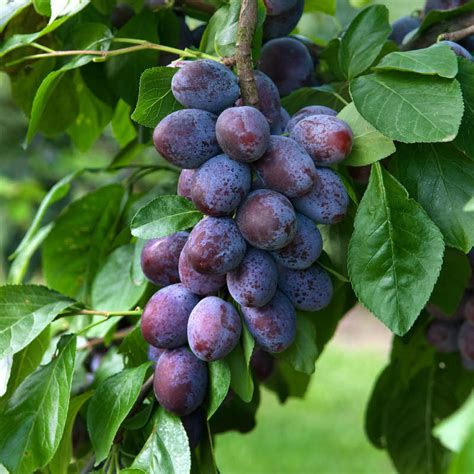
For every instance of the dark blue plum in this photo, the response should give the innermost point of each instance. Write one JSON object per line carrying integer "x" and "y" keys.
{"x": 458, "y": 50}
{"x": 160, "y": 257}
{"x": 198, "y": 283}
{"x": 268, "y": 98}
{"x": 180, "y": 381}
{"x": 121, "y": 14}
{"x": 206, "y": 85}
{"x": 277, "y": 7}
{"x": 326, "y": 139}
{"x": 214, "y": 329}
{"x": 308, "y": 290}
{"x": 281, "y": 25}
{"x": 273, "y": 326}
{"x": 267, "y": 220}
{"x": 308, "y": 111}
{"x": 185, "y": 183}
{"x": 154, "y": 353}
{"x": 468, "y": 43}
{"x": 215, "y": 246}
{"x": 403, "y": 26}
{"x": 262, "y": 364}
{"x": 327, "y": 201}
{"x": 254, "y": 281}
{"x": 280, "y": 127}
{"x": 304, "y": 249}
{"x": 442, "y": 5}
{"x": 195, "y": 426}
{"x": 219, "y": 185}
{"x": 243, "y": 133}
{"x": 285, "y": 167}
{"x": 287, "y": 63}
{"x": 187, "y": 138}
{"x": 165, "y": 317}
{"x": 466, "y": 344}
{"x": 443, "y": 335}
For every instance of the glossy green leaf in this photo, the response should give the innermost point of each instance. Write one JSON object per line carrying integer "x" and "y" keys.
{"x": 26, "y": 310}
{"x": 437, "y": 60}
{"x": 219, "y": 382}
{"x": 410, "y": 108}
{"x": 32, "y": 424}
{"x": 440, "y": 178}
{"x": 110, "y": 404}
{"x": 61, "y": 8}
{"x": 10, "y": 9}
{"x": 328, "y": 95}
{"x": 395, "y": 254}
{"x": 134, "y": 347}
{"x": 155, "y": 99}
{"x": 465, "y": 138}
{"x": 363, "y": 40}
{"x": 241, "y": 380}
{"x": 122, "y": 127}
{"x": 325, "y": 6}
{"x": 369, "y": 144}
{"x": 163, "y": 216}
{"x": 464, "y": 461}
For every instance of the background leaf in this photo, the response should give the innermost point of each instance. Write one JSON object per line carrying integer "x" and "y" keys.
{"x": 465, "y": 138}
{"x": 219, "y": 376}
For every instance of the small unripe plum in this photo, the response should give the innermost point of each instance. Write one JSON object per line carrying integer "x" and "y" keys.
{"x": 206, "y": 85}
{"x": 280, "y": 25}
{"x": 159, "y": 259}
{"x": 214, "y": 329}
{"x": 327, "y": 139}
{"x": 180, "y": 381}
{"x": 273, "y": 326}
{"x": 277, "y": 7}
{"x": 195, "y": 426}
{"x": 215, "y": 246}
{"x": 254, "y": 281}
{"x": 243, "y": 133}
{"x": 262, "y": 364}
{"x": 165, "y": 317}
{"x": 187, "y": 138}
{"x": 403, "y": 26}
{"x": 443, "y": 335}
{"x": 185, "y": 183}
{"x": 308, "y": 111}
{"x": 267, "y": 220}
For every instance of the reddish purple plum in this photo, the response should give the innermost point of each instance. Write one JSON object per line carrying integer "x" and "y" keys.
{"x": 195, "y": 426}
{"x": 443, "y": 335}
{"x": 262, "y": 364}
{"x": 309, "y": 111}
{"x": 185, "y": 183}
{"x": 280, "y": 127}
{"x": 154, "y": 353}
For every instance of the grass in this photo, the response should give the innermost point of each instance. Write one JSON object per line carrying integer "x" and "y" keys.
{"x": 321, "y": 434}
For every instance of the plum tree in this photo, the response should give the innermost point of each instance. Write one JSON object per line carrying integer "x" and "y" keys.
{"x": 180, "y": 381}
{"x": 219, "y": 185}
{"x": 306, "y": 112}
{"x": 280, "y": 25}
{"x": 214, "y": 328}
{"x": 187, "y": 138}
{"x": 254, "y": 281}
{"x": 185, "y": 183}
{"x": 267, "y": 220}
{"x": 243, "y": 133}
{"x": 165, "y": 317}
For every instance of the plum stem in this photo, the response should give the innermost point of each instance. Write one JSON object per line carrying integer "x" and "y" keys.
{"x": 457, "y": 35}
{"x": 243, "y": 52}
{"x": 108, "y": 314}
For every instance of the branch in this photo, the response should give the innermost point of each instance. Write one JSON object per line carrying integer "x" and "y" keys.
{"x": 243, "y": 53}
{"x": 458, "y": 35}
{"x": 98, "y": 341}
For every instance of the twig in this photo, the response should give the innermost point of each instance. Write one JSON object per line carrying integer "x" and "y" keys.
{"x": 98, "y": 341}
{"x": 457, "y": 35}
{"x": 106, "y": 314}
{"x": 243, "y": 54}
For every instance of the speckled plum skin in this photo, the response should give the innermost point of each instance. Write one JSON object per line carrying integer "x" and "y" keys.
{"x": 273, "y": 326}
{"x": 285, "y": 167}
{"x": 219, "y": 185}
{"x": 180, "y": 381}
{"x": 459, "y": 50}
{"x": 214, "y": 329}
{"x": 443, "y": 335}
{"x": 206, "y": 85}
{"x": 165, "y": 317}
{"x": 215, "y": 246}
{"x": 268, "y": 98}
{"x": 403, "y": 26}
{"x": 327, "y": 201}
{"x": 267, "y": 220}
{"x": 280, "y": 127}
{"x": 466, "y": 344}
{"x": 308, "y": 290}
{"x": 262, "y": 364}
{"x": 185, "y": 183}
{"x": 254, "y": 281}
{"x": 195, "y": 426}
{"x": 243, "y": 133}
{"x": 187, "y": 138}
{"x": 327, "y": 139}
{"x": 159, "y": 259}
{"x": 198, "y": 283}
{"x": 304, "y": 249}
{"x": 281, "y": 25}
{"x": 277, "y": 7}
{"x": 154, "y": 353}
{"x": 308, "y": 111}
{"x": 287, "y": 63}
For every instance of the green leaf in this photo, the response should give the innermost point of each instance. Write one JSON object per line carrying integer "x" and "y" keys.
{"x": 110, "y": 404}
{"x": 464, "y": 461}
{"x": 325, "y": 6}
{"x": 410, "y": 108}
{"x": 80, "y": 240}
{"x": 465, "y": 138}
{"x": 219, "y": 375}
{"x": 302, "y": 354}
{"x": 26, "y": 310}
{"x": 163, "y": 216}
{"x": 10, "y": 9}
{"x": 134, "y": 347}
{"x": 33, "y": 422}
{"x": 369, "y": 144}
{"x": 241, "y": 380}
{"x": 155, "y": 99}
{"x": 113, "y": 288}
{"x": 63, "y": 456}
{"x": 395, "y": 254}
{"x": 122, "y": 127}
{"x": 440, "y": 178}
{"x": 363, "y": 40}
{"x": 437, "y": 60}
{"x": 61, "y": 8}
{"x": 167, "y": 449}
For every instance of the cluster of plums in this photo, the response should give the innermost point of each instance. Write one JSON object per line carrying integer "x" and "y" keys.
{"x": 452, "y": 333}
{"x": 252, "y": 259}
